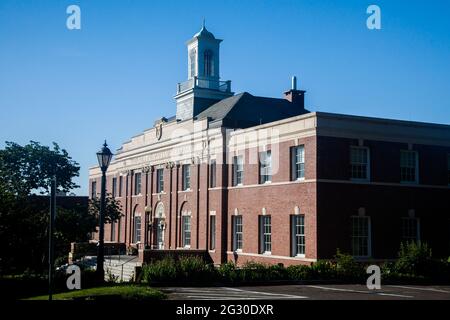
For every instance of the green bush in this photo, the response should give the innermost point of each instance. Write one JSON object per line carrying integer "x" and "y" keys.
{"x": 348, "y": 269}
{"x": 228, "y": 272}
{"x": 414, "y": 259}
{"x": 299, "y": 272}
{"x": 195, "y": 269}
{"x": 164, "y": 270}
{"x": 323, "y": 270}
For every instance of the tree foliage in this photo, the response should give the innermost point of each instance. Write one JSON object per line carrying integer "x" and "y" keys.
{"x": 113, "y": 209}
{"x": 24, "y": 169}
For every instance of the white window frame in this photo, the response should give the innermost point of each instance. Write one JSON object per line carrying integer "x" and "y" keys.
{"x": 238, "y": 170}
{"x": 137, "y": 231}
{"x": 416, "y": 169}
{"x": 265, "y": 165}
{"x": 296, "y": 235}
{"x": 186, "y": 231}
{"x": 369, "y": 237}
{"x": 238, "y": 243}
{"x": 186, "y": 173}
{"x": 94, "y": 189}
{"x": 295, "y": 163}
{"x": 136, "y": 184}
{"x": 265, "y": 234}
{"x": 352, "y": 148}
{"x": 159, "y": 180}
{"x": 213, "y": 174}
{"x": 114, "y": 187}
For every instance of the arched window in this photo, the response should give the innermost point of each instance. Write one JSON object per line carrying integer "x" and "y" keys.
{"x": 137, "y": 227}
{"x": 208, "y": 66}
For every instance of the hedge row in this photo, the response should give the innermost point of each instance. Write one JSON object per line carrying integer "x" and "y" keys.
{"x": 415, "y": 263}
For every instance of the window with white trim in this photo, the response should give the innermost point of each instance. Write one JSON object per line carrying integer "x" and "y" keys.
{"x": 265, "y": 234}
{"x": 359, "y": 163}
{"x": 410, "y": 229}
{"x": 137, "y": 229}
{"x": 186, "y": 231}
{"x": 137, "y": 183}
{"x": 408, "y": 166}
{"x": 212, "y": 174}
{"x": 120, "y": 185}
{"x": 298, "y": 235}
{"x": 159, "y": 180}
{"x": 114, "y": 187}
{"x": 298, "y": 162}
{"x": 265, "y": 167}
{"x": 238, "y": 170}
{"x": 237, "y": 233}
{"x": 212, "y": 232}
{"x": 186, "y": 170}
{"x": 361, "y": 233}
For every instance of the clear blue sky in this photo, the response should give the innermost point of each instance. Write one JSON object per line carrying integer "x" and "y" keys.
{"x": 116, "y": 75}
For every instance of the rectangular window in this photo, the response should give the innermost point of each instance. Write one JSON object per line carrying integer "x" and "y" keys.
{"x": 137, "y": 229}
{"x": 298, "y": 235}
{"x": 359, "y": 163}
{"x": 408, "y": 166}
{"x": 159, "y": 180}
{"x": 237, "y": 233}
{"x": 298, "y": 162}
{"x": 212, "y": 174}
{"x": 120, "y": 186}
{"x": 114, "y": 187}
{"x": 238, "y": 170}
{"x": 94, "y": 190}
{"x": 265, "y": 234}
{"x": 212, "y": 232}
{"x": 265, "y": 167}
{"x": 137, "y": 183}
{"x": 410, "y": 230}
{"x": 361, "y": 233}
{"x": 186, "y": 176}
{"x": 186, "y": 234}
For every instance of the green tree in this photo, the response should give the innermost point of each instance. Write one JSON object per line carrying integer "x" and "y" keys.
{"x": 24, "y": 172}
{"x": 113, "y": 209}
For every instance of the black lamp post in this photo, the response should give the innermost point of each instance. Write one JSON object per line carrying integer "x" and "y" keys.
{"x": 104, "y": 157}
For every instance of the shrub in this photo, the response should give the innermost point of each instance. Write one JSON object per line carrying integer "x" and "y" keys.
{"x": 299, "y": 272}
{"x": 164, "y": 270}
{"x": 228, "y": 272}
{"x": 323, "y": 270}
{"x": 195, "y": 269}
{"x": 347, "y": 268}
{"x": 414, "y": 259}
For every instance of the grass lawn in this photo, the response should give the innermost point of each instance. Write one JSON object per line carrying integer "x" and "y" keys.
{"x": 122, "y": 292}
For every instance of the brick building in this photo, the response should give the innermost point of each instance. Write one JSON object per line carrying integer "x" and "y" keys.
{"x": 244, "y": 178}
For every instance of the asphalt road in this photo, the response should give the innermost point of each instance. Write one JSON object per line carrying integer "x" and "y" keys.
{"x": 313, "y": 292}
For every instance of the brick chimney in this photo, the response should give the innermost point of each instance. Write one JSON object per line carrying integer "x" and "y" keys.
{"x": 295, "y": 96}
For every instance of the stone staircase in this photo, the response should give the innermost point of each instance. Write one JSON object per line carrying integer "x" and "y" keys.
{"x": 120, "y": 269}
{"x": 117, "y": 268}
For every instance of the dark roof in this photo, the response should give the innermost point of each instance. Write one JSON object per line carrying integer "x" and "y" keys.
{"x": 245, "y": 110}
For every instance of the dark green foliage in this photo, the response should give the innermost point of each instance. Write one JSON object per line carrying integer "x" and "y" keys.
{"x": 113, "y": 209}
{"x": 348, "y": 269}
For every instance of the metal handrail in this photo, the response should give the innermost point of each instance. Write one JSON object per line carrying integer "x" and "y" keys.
{"x": 199, "y": 82}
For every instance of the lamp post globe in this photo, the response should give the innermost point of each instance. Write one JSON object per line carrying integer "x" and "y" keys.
{"x": 104, "y": 157}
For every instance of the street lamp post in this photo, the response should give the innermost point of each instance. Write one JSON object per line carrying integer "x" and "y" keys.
{"x": 104, "y": 157}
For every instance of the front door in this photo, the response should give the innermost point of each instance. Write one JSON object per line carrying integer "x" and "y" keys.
{"x": 160, "y": 233}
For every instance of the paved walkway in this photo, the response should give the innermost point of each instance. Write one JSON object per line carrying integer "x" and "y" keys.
{"x": 314, "y": 292}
